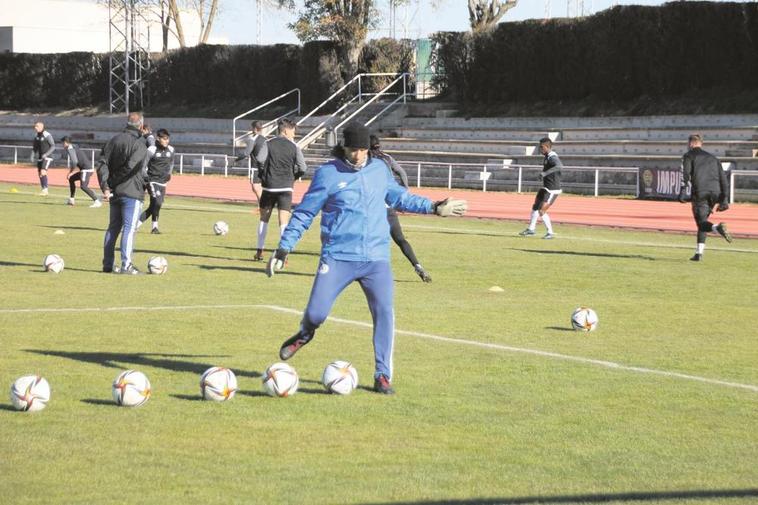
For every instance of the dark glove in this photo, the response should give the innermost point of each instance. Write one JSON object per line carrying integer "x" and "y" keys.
{"x": 683, "y": 195}
{"x": 240, "y": 157}
{"x": 448, "y": 207}
{"x": 723, "y": 205}
{"x": 276, "y": 262}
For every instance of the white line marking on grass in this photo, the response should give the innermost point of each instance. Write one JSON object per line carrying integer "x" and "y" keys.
{"x": 469, "y": 231}
{"x": 427, "y": 336}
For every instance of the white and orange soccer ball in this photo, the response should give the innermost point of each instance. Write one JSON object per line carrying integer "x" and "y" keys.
{"x": 280, "y": 380}
{"x": 340, "y": 377}
{"x": 30, "y": 393}
{"x": 220, "y": 228}
{"x": 218, "y": 384}
{"x": 157, "y": 265}
{"x": 53, "y": 263}
{"x": 584, "y": 319}
{"x": 131, "y": 389}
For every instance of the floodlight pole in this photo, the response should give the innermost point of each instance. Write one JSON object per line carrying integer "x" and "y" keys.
{"x": 129, "y": 60}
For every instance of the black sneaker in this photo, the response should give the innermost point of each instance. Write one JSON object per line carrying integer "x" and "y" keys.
{"x": 107, "y": 270}
{"x": 422, "y": 273}
{"x": 293, "y": 344}
{"x": 258, "y": 255}
{"x": 382, "y": 385}
{"x": 130, "y": 270}
{"x": 721, "y": 228}
{"x": 697, "y": 257}
{"x": 155, "y": 231}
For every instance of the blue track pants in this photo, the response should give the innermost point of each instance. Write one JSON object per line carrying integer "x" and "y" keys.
{"x": 375, "y": 277}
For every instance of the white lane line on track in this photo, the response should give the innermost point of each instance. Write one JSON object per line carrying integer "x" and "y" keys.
{"x": 484, "y": 345}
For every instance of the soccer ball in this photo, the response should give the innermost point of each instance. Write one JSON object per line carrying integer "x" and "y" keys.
{"x": 30, "y": 393}
{"x": 281, "y": 380}
{"x": 584, "y": 319}
{"x": 220, "y": 228}
{"x": 157, "y": 265}
{"x": 218, "y": 384}
{"x": 131, "y": 389}
{"x": 53, "y": 263}
{"x": 340, "y": 377}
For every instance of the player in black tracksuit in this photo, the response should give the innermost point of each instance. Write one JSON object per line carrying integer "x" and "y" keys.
{"x": 396, "y": 231}
{"x": 42, "y": 152}
{"x": 80, "y": 170}
{"x": 160, "y": 164}
{"x": 257, "y": 151}
{"x": 710, "y": 188}
{"x": 284, "y": 164}
{"x": 551, "y": 188}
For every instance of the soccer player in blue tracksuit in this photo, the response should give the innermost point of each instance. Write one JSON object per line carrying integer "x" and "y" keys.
{"x": 351, "y": 192}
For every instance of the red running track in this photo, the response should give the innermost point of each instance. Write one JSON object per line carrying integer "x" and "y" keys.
{"x": 569, "y": 209}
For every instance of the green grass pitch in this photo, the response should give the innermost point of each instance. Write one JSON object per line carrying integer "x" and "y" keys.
{"x": 509, "y": 409}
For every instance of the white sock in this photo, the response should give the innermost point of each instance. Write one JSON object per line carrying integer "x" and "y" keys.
{"x": 533, "y": 222}
{"x": 700, "y": 248}
{"x": 713, "y": 228}
{"x": 262, "y": 230}
{"x": 155, "y": 224}
{"x": 548, "y": 223}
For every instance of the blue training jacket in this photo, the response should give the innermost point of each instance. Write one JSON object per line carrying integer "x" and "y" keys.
{"x": 354, "y": 223}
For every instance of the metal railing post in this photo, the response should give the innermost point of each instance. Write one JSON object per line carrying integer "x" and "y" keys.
{"x": 360, "y": 92}
{"x": 15, "y": 155}
{"x": 520, "y": 172}
{"x": 450, "y": 176}
{"x": 597, "y": 180}
{"x": 226, "y": 166}
{"x": 202, "y": 164}
{"x": 637, "y": 185}
{"x": 181, "y": 163}
{"x": 405, "y": 87}
{"x": 234, "y": 136}
{"x": 484, "y": 179}
{"x": 418, "y": 176}
{"x": 93, "y": 157}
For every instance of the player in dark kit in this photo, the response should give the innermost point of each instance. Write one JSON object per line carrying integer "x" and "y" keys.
{"x": 160, "y": 164}
{"x": 709, "y": 190}
{"x": 80, "y": 170}
{"x": 551, "y": 188}
{"x": 257, "y": 151}
{"x": 396, "y": 231}
{"x": 42, "y": 153}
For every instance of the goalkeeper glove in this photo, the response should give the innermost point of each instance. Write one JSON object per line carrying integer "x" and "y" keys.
{"x": 723, "y": 205}
{"x": 683, "y": 195}
{"x": 276, "y": 262}
{"x": 448, "y": 207}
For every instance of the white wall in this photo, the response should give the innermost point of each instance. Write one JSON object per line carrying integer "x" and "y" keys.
{"x": 60, "y": 26}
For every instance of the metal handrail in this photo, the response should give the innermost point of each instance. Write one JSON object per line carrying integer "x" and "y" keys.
{"x": 373, "y": 99}
{"x": 320, "y": 128}
{"x": 731, "y": 180}
{"x": 296, "y": 110}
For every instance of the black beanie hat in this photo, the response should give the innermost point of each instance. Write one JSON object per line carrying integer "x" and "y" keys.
{"x": 356, "y": 136}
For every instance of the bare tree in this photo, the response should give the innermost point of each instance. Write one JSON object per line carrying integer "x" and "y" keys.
{"x": 207, "y": 10}
{"x": 485, "y": 14}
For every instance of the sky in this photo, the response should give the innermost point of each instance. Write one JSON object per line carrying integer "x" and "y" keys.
{"x": 237, "y": 20}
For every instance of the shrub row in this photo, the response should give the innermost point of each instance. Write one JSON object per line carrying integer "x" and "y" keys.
{"x": 620, "y": 53}
{"x": 203, "y": 74}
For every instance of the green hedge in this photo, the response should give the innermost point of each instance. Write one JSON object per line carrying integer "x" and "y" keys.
{"x": 618, "y": 54}
{"x": 199, "y": 75}
{"x": 52, "y": 80}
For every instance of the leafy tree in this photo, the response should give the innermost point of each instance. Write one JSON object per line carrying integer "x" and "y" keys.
{"x": 484, "y": 14}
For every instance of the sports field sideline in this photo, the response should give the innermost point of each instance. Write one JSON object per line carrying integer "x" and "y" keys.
{"x": 606, "y": 211}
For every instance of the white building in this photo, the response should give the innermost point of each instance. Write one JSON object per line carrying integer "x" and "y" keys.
{"x": 61, "y": 26}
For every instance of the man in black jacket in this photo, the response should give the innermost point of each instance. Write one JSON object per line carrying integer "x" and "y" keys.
{"x": 709, "y": 190}
{"x": 284, "y": 164}
{"x": 121, "y": 172}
